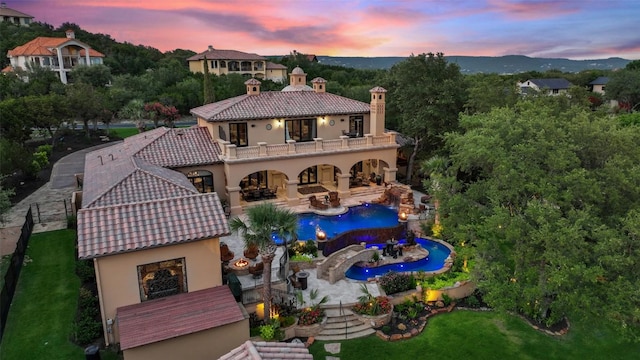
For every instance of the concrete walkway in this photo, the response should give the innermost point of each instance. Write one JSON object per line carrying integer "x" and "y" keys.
{"x": 49, "y": 214}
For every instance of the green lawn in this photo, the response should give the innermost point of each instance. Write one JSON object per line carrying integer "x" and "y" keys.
{"x": 123, "y": 132}
{"x": 487, "y": 335}
{"x": 40, "y": 321}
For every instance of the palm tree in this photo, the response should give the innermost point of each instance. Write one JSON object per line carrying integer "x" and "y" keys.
{"x": 262, "y": 222}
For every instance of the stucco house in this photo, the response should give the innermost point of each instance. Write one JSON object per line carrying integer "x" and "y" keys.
{"x": 57, "y": 54}
{"x": 14, "y": 16}
{"x": 153, "y": 237}
{"x": 279, "y": 142}
{"x": 152, "y": 213}
{"x": 598, "y": 85}
{"x": 222, "y": 62}
{"x": 552, "y": 86}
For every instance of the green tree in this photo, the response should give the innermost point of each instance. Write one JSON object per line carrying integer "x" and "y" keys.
{"x": 624, "y": 86}
{"x": 98, "y": 76}
{"x": 263, "y": 221}
{"x": 85, "y": 102}
{"x": 5, "y": 199}
{"x": 209, "y": 96}
{"x": 487, "y": 91}
{"x": 46, "y": 112}
{"x": 547, "y": 192}
{"x": 426, "y": 96}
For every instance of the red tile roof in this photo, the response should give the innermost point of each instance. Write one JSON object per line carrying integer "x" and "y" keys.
{"x": 262, "y": 350}
{"x": 274, "y": 66}
{"x": 137, "y": 226}
{"x": 43, "y": 46}
{"x": 277, "y": 104}
{"x": 177, "y": 315}
{"x": 225, "y": 55}
{"x": 129, "y": 203}
{"x": 182, "y": 147}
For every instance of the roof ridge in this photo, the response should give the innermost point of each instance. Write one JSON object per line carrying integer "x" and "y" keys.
{"x": 161, "y": 200}
{"x": 102, "y": 193}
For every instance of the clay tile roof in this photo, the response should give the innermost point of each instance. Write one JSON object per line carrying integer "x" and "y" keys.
{"x": 181, "y": 147}
{"x": 225, "y": 55}
{"x": 378, "y": 89}
{"x": 277, "y": 104}
{"x": 5, "y": 11}
{"x": 135, "y": 226}
{"x": 262, "y": 350}
{"x": 7, "y": 69}
{"x": 274, "y": 66}
{"x": 43, "y": 46}
{"x": 252, "y": 81}
{"x": 318, "y": 80}
{"x": 178, "y": 315}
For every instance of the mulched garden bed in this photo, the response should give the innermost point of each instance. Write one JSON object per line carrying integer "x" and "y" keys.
{"x": 72, "y": 141}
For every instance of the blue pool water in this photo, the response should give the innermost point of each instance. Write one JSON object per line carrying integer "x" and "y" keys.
{"x": 435, "y": 261}
{"x": 358, "y": 217}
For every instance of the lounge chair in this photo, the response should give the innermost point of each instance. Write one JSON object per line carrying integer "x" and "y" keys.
{"x": 334, "y": 199}
{"x": 315, "y": 203}
{"x": 257, "y": 269}
{"x": 251, "y": 252}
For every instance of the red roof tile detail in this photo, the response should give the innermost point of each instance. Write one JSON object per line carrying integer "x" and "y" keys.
{"x": 261, "y": 350}
{"x": 274, "y": 66}
{"x": 181, "y": 147}
{"x": 43, "y": 46}
{"x": 177, "y": 315}
{"x": 277, "y": 104}
{"x": 225, "y": 55}
{"x": 136, "y": 226}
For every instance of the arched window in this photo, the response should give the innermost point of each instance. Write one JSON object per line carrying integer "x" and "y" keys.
{"x": 202, "y": 180}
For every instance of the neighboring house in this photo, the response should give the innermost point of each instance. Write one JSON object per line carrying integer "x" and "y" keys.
{"x": 14, "y": 16}
{"x": 222, "y": 62}
{"x": 300, "y": 136}
{"x": 550, "y": 86}
{"x": 262, "y": 350}
{"x": 151, "y": 225}
{"x": 598, "y": 85}
{"x": 57, "y": 54}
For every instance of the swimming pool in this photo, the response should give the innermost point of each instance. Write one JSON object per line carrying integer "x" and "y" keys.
{"x": 435, "y": 261}
{"x": 366, "y": 216}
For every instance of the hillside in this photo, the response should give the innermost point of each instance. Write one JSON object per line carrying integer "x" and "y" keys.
{"x": 510, "y": 64}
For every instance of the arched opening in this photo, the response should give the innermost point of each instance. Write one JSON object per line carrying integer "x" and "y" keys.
{"x": 262, "y": 185}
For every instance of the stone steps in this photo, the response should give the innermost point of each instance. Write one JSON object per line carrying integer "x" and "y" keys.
{"x": 345, "y": 325}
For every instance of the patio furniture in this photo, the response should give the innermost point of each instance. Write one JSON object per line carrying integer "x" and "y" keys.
{"x": 315, "y": 203}
{"x": 257, "y": 269}
{"x": 251, "y": 252}
{"x": 226, "y": 255}
{"x": 334, "y": 199}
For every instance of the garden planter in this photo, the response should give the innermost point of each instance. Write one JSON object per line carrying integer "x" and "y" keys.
{"x": 290, "y": 331}
{"x": 308, "y": 330}
{"x": 375, "y": 321}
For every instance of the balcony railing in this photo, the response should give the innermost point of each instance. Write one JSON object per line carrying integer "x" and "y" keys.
{"x": 344, "y": 143}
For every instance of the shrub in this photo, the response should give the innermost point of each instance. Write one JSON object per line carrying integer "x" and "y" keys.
{"x": 393, "y": 282}
{"x": 386, "y": 329}
{"x": 286, "y": 321}
{"x": 41, "y": 158}
{"x": 87, "y": 328}
{"x": 370, "y": 305}
{"x": 85, "y": 270}
{"x": 47, "y": 149}
{"x": 72, "y": 222}
{"x": 269, "y": 331}
{"x": 472, "y": 301}
{"x": 446, "y": 299}
{"x": 310, "y": 316}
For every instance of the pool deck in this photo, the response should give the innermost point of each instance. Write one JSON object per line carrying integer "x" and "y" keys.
{"x": 345, "y": 291}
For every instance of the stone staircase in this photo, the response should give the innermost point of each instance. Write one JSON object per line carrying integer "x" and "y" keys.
{"x": 343, "y": 326}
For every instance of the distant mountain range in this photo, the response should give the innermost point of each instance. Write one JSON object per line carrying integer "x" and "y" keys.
{"x": 510, "y": 64}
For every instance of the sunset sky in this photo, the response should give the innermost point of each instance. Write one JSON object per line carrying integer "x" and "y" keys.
{"x": 575, "y": 29}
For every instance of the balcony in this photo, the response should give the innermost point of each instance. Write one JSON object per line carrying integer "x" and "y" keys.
{"x": 231, "y": 153}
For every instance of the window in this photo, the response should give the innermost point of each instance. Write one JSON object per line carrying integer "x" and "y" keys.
{"x": 162, "y": 279}
{"x": 223, "y": 64}
{"x": 238, "y": 134}
{"x": 355, "y": 126}
{"x": 555, "y": 91}
{"x": 233, "y": 66}
{"x": 300, "y": 130}
{"x": 214, "y": 64}
{"x": 202, "y": 180}
{"x": 308, "y": 176}
{"x": 245, "y": 66}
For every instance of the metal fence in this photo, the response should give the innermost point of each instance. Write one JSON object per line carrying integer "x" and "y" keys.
{"x": 51, "y": 211}
{"x": 13, "y": 272}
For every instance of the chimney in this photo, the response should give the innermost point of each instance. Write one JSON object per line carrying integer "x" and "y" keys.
{"x": 70, "y": 34}
{"x": 210, "y": 47}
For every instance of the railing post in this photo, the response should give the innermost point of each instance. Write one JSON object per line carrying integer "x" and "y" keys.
{"x": 345, "y": 141}
{"x": 369, "y": 138}
{"x": 292, "y": 146}
{"x": 231, "y": 151}
{"x": 319, "y": 144}
{"x": 262, "y": 148}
